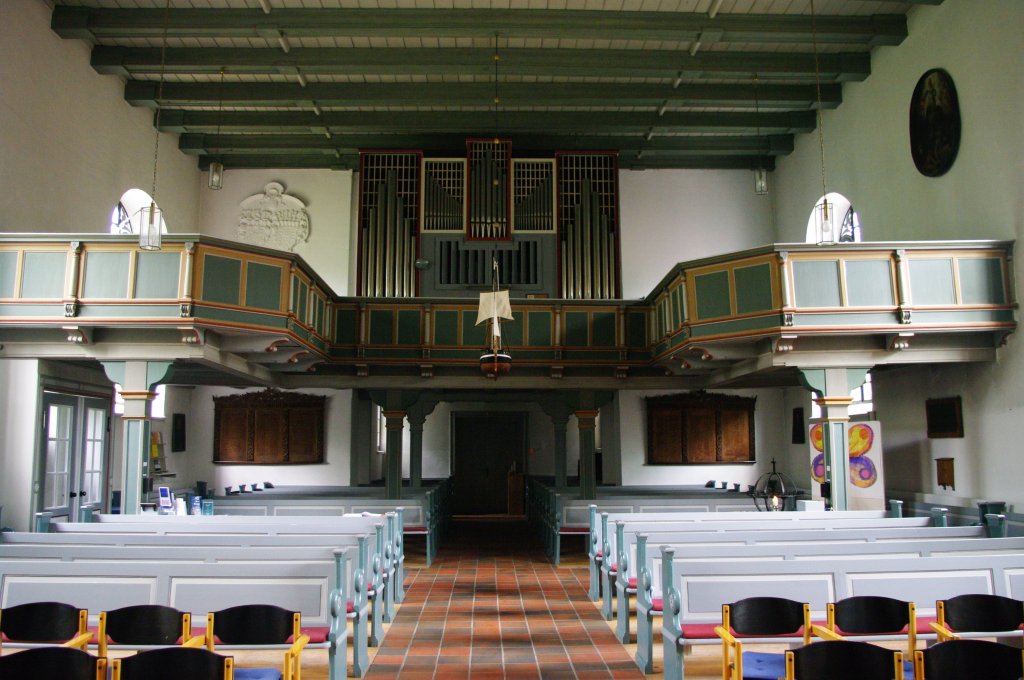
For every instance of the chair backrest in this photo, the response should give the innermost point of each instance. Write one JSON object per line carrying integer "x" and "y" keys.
{"x": 144, "y": 624}
{"x": 843, "y": 660}
{"x": 867, "y": 614}
{"x": 959, "y": 659}
{"x": 42, "y": 622}
{"x": 980, "y": 612}
{"x": 53, "y": 662}
{"x": 174, "y": 663}
{"x": 253, "y": 624}
{"x": 766, "y": 616}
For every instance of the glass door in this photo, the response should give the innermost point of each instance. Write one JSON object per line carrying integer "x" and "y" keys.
{"x": 74, "y": 454}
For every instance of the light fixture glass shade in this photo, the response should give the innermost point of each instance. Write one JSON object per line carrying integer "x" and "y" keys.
{"x": 216, "y": 179}
{"x": 825, "y": 222}
{"x": 151, "y": 222}
{"x": 760, "y": 181}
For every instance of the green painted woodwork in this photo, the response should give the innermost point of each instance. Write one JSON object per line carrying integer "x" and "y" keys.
{"x": 156, "y": 275}
{"x": 8, "y": 270}
{"x": 637, "y": 329}
{"x": 295, "y": 293}
{"x": 816, "y": 283}
{"x": 712, "y": 292}
{"x": 382, "y": 326}
{"x": 725, "y": 327}
{"x": 540, "y": 329}
{"x": 512, "y": 331}
{"x": 409, "y": 327}
{"x": 345, "y": 330}
{"x": 222, "y": 279}
{"x": 300, "y": 311}
{"x": 585, "y": 356}
{"x": 106, "y": 275}
{"x": 263, "y": 285}
{"x": 576, "y": 329}
{"x": 240, "y": 316}
{"x": 753, "y": 288}
{"x": 846, "y": 319}
{"x": 603, "y": 329}
{"x": 446, "y": 327}
{"x": 473, "y": 336}
{"x": 981, "y": 281}
{"x": 868, "y": 283}
{"x": 43, "y": 275}
{"x": 130, "y": 310}
{"x": 51, "y": 310}
{"x": 931, "y": 281}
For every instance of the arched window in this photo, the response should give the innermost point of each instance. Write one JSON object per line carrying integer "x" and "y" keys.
{"x": 845, "y": 220}
{"x": 125, "y": 217}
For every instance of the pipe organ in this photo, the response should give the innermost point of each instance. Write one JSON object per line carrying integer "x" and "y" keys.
{"x": 431, "y": 226}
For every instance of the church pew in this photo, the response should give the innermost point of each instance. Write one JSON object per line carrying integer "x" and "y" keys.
{"x": 315, "y": 587}
{"x": 696, "y": 590}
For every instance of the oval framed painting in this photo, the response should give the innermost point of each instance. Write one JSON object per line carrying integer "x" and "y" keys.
{"x": 934, "y": 123}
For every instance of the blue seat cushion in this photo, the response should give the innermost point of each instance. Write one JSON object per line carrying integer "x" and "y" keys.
{"x": 257, "y": 673}
{"x": 763, "y": 666}
{"x": 908, "y": 670}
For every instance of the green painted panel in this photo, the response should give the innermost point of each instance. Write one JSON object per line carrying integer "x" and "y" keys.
{"x": 241, "y": 316}
{"x": 603, "y": 332}
{"x": 737, "y": 325}
{"x": 300, "y": 311}
{"x": 816, "y": 283}
{"x": 222, "y": 279}
{"x": 345, "y": 326}
{"x": 53, "y": 310}
{"x": 263, "y": 286}
{"x": 409, "y": 327}
{"x": 931, "y": 282}
{"x": 540, "y": 329}
{"x": 847, "y": 319}
{"x": 868, "y": 283}
{"x": 156, "y": 276}
{"x": 446, "y": 327}
{"x": 712, "y": 295}
{"x": 512, "y": 332}
{"x": 295, "y": 292}
{"x": 130, "y": 311}
{"x": 637, "y": 329}
{"x": 473, "y": 336}
{"x": 106, "y": 276}
{"x": 981, "y": 281}
{"x": 382, "y": 326}
{"x": 576, "y": 329}
{"x": 675, "y": 307}
{"x": 43, "y": 276}
{"x": 8, "y": 270}
{"x": 753, "y": 288}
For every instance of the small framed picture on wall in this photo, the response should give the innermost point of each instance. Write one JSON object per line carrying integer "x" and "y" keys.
{"x": 945, "y": 418}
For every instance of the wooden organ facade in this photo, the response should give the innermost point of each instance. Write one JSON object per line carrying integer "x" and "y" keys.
{"x": 429, "y": 227}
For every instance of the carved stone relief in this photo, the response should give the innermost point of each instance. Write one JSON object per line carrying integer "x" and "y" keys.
{"x": 273, "y": 219}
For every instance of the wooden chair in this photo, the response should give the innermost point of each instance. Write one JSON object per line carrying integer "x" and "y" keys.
{"x": 45, "y": 622}
{"x": 259, "y": 625}
{"x": 872, "y": 616}
{"x": 969, "y": 659}
{"x": 66, "y": 663}
{"x": 174, "y": 663}
{"x": 760, "y": 617}
{"x": 143, "y": 624}
{"x": 978, "y": 615}
{"x": 843, "y": 660}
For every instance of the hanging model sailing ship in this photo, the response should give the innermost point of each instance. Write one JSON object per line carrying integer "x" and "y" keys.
{"x": 494, "y": 306}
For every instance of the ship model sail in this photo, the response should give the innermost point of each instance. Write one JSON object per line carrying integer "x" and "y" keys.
{"x": 494, "y": 307}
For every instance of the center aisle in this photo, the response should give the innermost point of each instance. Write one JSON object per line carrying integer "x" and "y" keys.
{"x": 493, "y": 606}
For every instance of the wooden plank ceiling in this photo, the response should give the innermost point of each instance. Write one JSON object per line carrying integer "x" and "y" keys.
{"x": 308, "y": 83}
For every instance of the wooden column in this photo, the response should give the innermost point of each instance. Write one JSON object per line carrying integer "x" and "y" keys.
{"x": 587, "y": 422}
{"x": 394, "y": 422}
{"x": 416, "y": 421}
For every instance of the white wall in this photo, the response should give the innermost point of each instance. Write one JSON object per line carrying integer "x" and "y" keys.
{"x": 770, "y": 437}
{"x": 78, "y": 145}
{"x": 868, "y": 160}
{"x": 671, "y": 216}
{"x": 327, "y": 195}
{"x": 197, "y": 464}
{"x": 19, "y": 408}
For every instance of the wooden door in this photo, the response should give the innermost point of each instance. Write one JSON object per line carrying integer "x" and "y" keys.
{"x": 485, "y": 446}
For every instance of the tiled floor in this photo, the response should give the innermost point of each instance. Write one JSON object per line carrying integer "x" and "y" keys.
{"x": 493, "y": 606}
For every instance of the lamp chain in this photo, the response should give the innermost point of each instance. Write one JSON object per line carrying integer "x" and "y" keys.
{"x": 220, "y": 104}
{"x": 757, "y": 119}
{"x": 497, "y": 99}
{"x": 817, "y": 84}
{"x": 160, "y": 95}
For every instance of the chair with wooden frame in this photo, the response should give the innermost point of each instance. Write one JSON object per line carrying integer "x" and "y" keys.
{"x": 174, "y": 663}
{"x": 760, "y": 617}
{"x": 143, "y": 624}
{"x": 968, "y": 659}
{"x": 978, "y": 615}
{"x": 872, "y": 616}
{"x": 64, "y": 662}
{"x": 45, "y": 623}
{"x": 259, "y": 625}
{"x": 843, "y": 660}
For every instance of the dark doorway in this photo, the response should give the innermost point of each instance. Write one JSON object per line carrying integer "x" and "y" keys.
{"x": 486, "y": 449}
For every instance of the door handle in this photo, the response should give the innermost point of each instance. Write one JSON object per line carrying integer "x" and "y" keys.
{"x": 82, "y": 494}
{"x": 72, "y": 495}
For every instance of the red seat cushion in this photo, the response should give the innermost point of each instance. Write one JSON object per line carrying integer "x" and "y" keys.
{"x": 317, "y": 635}
{"x": 574, "y": 530}
{"x": 632, "y": 583}
{"x": 657, "y": 604}
{"x": 706, "y": 631}
{"x": 350, "y": 607}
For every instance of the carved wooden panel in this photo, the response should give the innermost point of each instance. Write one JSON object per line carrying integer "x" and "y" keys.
{"x": 700, "y": 429}
{"x": 269, "y": 428}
